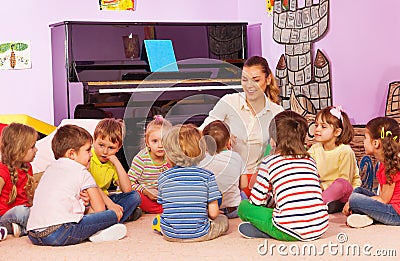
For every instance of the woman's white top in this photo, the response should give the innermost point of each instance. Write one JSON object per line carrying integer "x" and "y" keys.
{"x": 249, "y": 132}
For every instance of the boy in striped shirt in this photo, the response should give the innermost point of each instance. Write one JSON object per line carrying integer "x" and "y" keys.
{"x": 289, "y": 181}
{"x": 189, "y": 194}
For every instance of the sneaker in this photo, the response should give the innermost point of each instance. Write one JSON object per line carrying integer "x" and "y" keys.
{"x": 247, "y": 230}
{"x": 358, "y": 221}
{"x": 3, "y": 233}
{"x": 136, "y": 214}
{"x": 335, "y": 206}
{"x": 156, "y": 224}
{"x": 113, "y": 233}
{"x": 16, "y": 229}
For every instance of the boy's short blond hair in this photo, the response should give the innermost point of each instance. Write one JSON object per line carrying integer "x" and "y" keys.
{"x": 69, "y": 137}
{"x": 184, "y": 145}
{"x": 113, "y": 129}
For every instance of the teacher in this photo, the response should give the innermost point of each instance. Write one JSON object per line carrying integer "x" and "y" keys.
{"x": 249, "y": 113}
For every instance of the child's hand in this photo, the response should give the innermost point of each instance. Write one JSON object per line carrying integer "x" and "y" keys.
{"x": 117, "y": 209}
{"x": 84, "y": 195}
{"x": 151, "y": 194}
{"x": 346, "y": 209}
{"x": 113, "y": 159}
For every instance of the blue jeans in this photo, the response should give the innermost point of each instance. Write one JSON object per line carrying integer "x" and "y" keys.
{"x": 361, "y": 203}
{"x": 129, "y": 201}
{"x": 74, "y": 233}
{"x": 18, "y": 215}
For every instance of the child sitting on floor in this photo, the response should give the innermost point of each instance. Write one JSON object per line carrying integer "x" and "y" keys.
{"x": 291, "y": 176}
{"x": 58, "y": 216}
{"x": 149, "y": 163}
{"x": 336, "y": 161}
{"x": 227, "y": 166}
{"x": 382, "y": 141}
{"x": 17, "y": 150}
{"x": 106, "y": 168}
{"x": 189, "y": 194}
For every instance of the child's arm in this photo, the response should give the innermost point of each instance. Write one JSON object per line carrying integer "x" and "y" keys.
{"x": 213, "y": 209}
{"x": 111, "y": 205}
{"x": 348, "y": 167}
{"x": 96, "y": 200}
{"x": 386, "y": 194}
{"x": 1, "y": 184}
{"x": 123, "y": 180}
{"x": 135, "y": 172}
{"x": 243, "y": 181}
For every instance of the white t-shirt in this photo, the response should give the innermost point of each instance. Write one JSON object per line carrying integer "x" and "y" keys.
{"x": 227, "y": 167}
{"x": 57, "y": 199}
{"x": 250, "y": 132}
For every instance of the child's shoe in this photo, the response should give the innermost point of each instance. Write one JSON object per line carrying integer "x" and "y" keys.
{"x": 156, "y": 224}
{"x": 16, "y": 229}
{"x": 358, "y": 221}
{"x": 335, "y": 206}
{"x": 3, "y": 233}
{"x": 247, "y": 230}
{"x": 136, "y": 214}
{"x": 113, "y": 233}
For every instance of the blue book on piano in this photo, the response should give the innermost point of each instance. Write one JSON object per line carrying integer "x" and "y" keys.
{"x": 160, "y": 55}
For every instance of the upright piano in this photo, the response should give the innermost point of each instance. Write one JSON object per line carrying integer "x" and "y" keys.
{"x": 100, "y": 70}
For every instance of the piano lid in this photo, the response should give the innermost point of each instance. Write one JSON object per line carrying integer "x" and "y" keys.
{"x": 110, "y": 51}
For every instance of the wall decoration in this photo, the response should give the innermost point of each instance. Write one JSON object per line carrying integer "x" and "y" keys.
{"x": 270, "y": 5}
{"x": 117, "y": 5}
{"x": 305, "y": 84}
{"x": 15, "y": 55}
{"x": 297, "y": 28}
{"x": 393, "y": 101}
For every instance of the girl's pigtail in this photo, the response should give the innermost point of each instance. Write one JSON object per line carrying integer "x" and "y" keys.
{"x": 30, "y": 189}
{"x": 14, "y": 180}
{"x": 390, "y": 151}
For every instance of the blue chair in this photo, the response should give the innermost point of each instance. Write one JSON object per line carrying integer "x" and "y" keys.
{"x": 368, "y": 179}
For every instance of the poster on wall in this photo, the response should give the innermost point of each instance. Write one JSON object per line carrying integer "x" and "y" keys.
{"x": 15, "y": 55}
{"x": 270, "y": 5}
{"x": 118, "y": 5}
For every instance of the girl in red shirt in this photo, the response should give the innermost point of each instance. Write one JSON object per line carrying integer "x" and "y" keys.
{"x": 17, "y": 149}
{"x": 364, "y": 207}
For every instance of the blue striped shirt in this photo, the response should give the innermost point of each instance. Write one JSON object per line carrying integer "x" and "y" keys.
{"x": 184, "y": 193}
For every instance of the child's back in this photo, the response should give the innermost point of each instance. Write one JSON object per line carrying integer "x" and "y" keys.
{"x": 189, "y": 194}
{"x": 227, "y": 167}
{"x": 57, "y": 196}
{"x": 186, "y": 190}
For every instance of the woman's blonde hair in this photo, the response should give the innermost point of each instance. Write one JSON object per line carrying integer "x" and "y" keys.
{"x": 272, "y": 90}
{"x": 184, "y": 145}
{"x": 16, "y": 140}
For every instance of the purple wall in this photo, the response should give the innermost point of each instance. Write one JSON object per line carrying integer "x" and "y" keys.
{"x": 361, "y": 44}
{"x": 30, "y": 91}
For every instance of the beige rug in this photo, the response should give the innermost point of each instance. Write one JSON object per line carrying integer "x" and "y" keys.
{"x": 339, "y": 243}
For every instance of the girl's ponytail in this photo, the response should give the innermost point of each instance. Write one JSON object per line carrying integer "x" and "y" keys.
{"x": 390, "y": 151}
